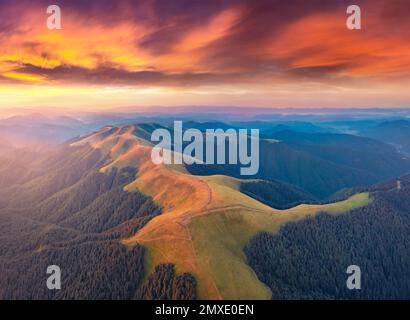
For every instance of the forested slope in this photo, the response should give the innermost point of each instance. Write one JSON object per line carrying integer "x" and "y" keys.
{"x": 59, "y": 209}
{"x": 308, "y": 259}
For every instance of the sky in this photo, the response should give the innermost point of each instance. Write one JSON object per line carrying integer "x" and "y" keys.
{"x": 262, "y": 53}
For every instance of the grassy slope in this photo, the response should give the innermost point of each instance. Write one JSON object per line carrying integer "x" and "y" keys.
{"x": 206, "y": 221}
{"x": 210, "y": 242}
{"x": 219, "y": 240}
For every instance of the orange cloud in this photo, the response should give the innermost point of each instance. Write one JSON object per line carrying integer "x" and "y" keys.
{"x": 322, "y": 41}
{"x": 187, "y": 54}
{"x": 216, "y": 29}
{"x": 209, "y": 46}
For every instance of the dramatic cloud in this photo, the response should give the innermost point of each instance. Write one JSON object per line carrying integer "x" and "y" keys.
{"x": 194, "y": 43}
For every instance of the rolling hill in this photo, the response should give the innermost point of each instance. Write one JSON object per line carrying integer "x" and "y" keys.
{"x": 101, "y": 193}
{"x": 369, "y": 155}
{"x": 26, "y": 130}
{"x": 395, "y": 132}
{"x": 320, "y": 163}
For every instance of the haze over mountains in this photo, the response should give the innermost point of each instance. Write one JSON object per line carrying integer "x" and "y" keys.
{"x": 121, "y": 227}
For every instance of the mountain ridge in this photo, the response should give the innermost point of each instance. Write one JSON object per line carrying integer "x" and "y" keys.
{"x": 187, "y": 200}
{"x": 202, "y": 229}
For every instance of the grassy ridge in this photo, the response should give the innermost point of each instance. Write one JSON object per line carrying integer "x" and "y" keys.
{"x": 211, "y": 246}
{"x": 206, "y": 221}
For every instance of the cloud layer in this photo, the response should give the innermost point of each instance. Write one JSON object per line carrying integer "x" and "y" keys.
{"x": 196, "y": 43}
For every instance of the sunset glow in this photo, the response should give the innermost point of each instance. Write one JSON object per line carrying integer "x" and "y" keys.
{"x": 243, "y": 53}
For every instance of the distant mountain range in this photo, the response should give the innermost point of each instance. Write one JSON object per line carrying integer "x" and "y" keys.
{"x": 321, "y": 163}
{"x": 396, "y": 133}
